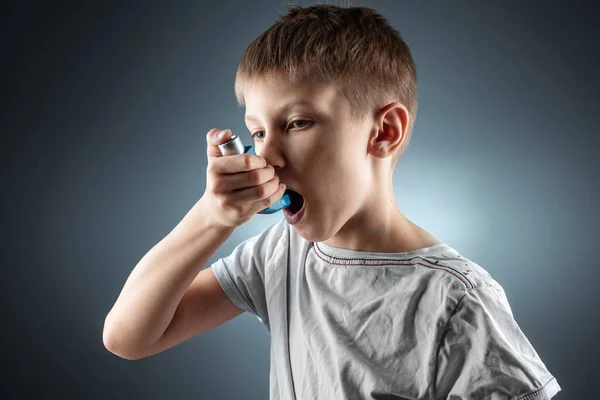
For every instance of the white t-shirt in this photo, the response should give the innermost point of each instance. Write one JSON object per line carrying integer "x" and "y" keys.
{"x": 346, "y": 324}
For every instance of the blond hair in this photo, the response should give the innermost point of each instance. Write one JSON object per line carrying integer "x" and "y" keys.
{"x": 353, "y": 48}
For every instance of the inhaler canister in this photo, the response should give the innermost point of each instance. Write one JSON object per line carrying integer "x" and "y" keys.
{"x": 235, "y": 146}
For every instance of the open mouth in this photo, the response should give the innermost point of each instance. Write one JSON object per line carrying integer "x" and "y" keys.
{"x": 296, "y": 200}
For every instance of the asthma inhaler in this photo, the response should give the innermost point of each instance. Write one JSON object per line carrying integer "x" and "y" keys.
{"x": 235, "y": 146}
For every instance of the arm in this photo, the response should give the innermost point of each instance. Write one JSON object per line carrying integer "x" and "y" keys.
{"x": 167, "y": 299}
{"x": 483, "y": 353}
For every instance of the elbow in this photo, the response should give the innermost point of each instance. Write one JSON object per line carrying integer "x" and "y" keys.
{"x": 114, "y": 341}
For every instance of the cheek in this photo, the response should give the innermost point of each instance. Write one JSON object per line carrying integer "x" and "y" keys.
{"x": 340, "y": 182}
{"x": 335, "y": 174}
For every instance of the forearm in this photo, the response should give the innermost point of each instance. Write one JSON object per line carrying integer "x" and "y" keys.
{"x": 155, "y": 287}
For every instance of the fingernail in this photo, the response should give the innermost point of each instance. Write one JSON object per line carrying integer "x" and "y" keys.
{"x": 221, "y": 134}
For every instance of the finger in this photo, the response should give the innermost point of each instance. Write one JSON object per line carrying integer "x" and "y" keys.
{"x": 245, "y": 180}
{"x": 260, "y": 205}
{"x": 213, "y": 140}
{"x": 237, "y": 163}
{"x": 257, "y": 194}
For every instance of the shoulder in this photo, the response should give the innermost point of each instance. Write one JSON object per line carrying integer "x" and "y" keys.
{"x": 465, "y": 283}
{"x": 256, "y": 251}
{"x": 465, "y": 273}
{"x": 270, "y": 238}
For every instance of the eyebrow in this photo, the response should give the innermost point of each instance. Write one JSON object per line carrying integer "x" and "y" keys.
{"x": 284, "y": 108}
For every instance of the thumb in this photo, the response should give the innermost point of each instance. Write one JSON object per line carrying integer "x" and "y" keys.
{"x": 212, "y": 142}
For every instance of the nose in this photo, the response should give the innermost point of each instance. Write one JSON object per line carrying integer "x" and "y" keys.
{"x": 270, "y": 150}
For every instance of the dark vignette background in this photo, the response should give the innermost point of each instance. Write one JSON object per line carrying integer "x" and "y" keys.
{"x": 105, "y": 108}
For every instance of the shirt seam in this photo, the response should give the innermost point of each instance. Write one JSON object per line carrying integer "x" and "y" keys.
{"x": 395, "y": 262}
{"x": 439, "y": 345}
{"x": 536, "y": 393}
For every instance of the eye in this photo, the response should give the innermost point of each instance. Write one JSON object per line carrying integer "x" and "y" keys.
{"x": 301, "y": 120}
{"x": 255, "y": 134}
{"x": 305, "y": 123}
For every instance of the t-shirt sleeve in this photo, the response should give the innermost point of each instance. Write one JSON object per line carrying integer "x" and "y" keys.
{"x": 483, "y": 354}
{"x": 242, "y": 273}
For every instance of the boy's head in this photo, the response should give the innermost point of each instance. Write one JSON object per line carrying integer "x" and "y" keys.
{"x": 340, "y": 150}
{"x": 352, "y": 48}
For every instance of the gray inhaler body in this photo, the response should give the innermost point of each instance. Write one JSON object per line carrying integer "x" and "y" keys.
{"x": 235, "y": 146}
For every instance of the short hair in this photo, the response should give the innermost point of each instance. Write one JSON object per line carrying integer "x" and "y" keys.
{"x": 353, "y": 48}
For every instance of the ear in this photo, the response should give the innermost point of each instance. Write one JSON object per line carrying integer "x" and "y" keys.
{"x": 389, "y": 130}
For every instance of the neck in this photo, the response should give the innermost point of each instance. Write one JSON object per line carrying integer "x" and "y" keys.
{"x": 381, "y": 227}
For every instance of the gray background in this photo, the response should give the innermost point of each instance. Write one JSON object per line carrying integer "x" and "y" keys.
{"x": 105, "y": 109}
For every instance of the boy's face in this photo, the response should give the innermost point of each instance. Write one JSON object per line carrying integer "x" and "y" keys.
{"x": 305, "y": 132}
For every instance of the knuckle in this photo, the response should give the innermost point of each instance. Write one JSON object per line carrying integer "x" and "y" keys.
{"x": 248, "y": 161}
{"x": 262, "y": 191}
{"x": 212, "y": 186}
{"x": 211, "y": 168}
{"x": 255, "y": 176}
{"x": 217, "y": 186}
{"x": 267, "y": 202}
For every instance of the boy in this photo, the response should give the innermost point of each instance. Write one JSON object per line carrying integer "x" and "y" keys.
{"x": 360, "y": 302}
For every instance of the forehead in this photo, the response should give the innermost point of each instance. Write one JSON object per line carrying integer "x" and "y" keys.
{"x": 274, "y": 96}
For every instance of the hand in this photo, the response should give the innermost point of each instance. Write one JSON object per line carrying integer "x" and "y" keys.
{"x": 237, "y": 186}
